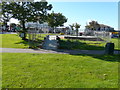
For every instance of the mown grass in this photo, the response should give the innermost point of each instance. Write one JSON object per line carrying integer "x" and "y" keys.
{"x": 116, "y": 42}
{"x": 59, "y": 71}
{"x": 86, "y": 45}
{"x": 14, "y": 41}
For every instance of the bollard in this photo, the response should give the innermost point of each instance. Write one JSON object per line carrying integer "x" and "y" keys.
{"x": 109, "y": 48}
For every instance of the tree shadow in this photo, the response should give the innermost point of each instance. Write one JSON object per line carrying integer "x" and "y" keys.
{"x": 69, "y": 46}
{"x": 23, "y": 42}
{"x": 72, "y": 47}
{"x": 102, "y": 56}
{"x": 76, "y": 44}
{"x": 31, "y": 44}
{"x": 109, "y": 58}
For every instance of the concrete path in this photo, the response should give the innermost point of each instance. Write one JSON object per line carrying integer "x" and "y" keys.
{"x": 15, "y": 50}
{"x": 8, "y": 33}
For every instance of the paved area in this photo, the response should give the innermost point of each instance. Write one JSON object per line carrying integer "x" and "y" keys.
{"x": 8, "y": 33}
{"x": 15, "y": 50}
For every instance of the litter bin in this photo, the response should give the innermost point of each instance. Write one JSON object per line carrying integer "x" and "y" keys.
{"x": 109, "y": 48}
{"x": 80, "y": 34}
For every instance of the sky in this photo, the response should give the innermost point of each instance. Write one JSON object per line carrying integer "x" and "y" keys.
{"x": 83, "y": 12}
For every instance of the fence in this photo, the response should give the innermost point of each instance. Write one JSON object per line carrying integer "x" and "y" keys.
{"x": 104, "y": 35}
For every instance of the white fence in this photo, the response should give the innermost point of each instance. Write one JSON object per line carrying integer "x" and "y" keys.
{"x": 106, "y": 36}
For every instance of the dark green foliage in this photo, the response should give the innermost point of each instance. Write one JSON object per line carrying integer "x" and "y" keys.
{"x": 26, "y": 11}
{"x": 78, "y": 45}
{"x": 56, "y": 19}
{"x": 77, "y": 26}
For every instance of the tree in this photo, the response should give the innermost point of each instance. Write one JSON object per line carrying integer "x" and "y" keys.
{"x": 71, "y": 26}
{"x": 93, "y": 25}
{"x": 26, "y": 12}
{"x": 13, "y": 26}
{"x": 4, "y": 17}
{"x": 56, "y": 19}
{"x": 76, "y": 25}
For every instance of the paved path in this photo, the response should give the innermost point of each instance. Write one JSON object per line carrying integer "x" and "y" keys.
{"x": 15, "y": 50}
{"x": 8, "y": 33}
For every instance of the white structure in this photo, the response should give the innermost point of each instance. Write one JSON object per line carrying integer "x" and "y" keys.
{"x": 50, "y": 42}
{"x": 62, "y": 29}
{"x": 44, "y": 28}
{"x": 105, "y": 28}
{"x": 94, "y": 25}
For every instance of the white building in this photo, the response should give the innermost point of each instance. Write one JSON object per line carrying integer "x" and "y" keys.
{"x": 44, "y": 28}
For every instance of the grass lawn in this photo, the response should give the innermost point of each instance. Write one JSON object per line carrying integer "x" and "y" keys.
{"x": 59, "y": 71}
{"x": 86, "y": 45}
{"x": 14, "y": 41}
{"x": 116, "y": 41}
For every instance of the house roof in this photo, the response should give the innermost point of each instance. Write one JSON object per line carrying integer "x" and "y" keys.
{"x": 96, "y": 24}
{"x": 102, "y": 25}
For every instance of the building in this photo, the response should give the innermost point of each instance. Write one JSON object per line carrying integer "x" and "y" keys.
{"x": 43, "y": 28}
{"x": 103, "y": 27}
{"x": 62, "y": 29}
{"x": 94, "y": 25}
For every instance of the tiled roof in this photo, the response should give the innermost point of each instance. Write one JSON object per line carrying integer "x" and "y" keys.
{"x": 102, "y": 25}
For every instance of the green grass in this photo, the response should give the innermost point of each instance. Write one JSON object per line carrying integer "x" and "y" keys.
{"x": 86, "y": 45}
{"x": 116, "y": 41}
{"x": 14, "y": 41}
{"x": 59, "y": 71}
{"x": 0, "y": 70}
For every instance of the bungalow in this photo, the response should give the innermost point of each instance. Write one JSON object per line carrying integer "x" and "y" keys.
{"x": 103, "y": 27}
{"x": 94, "y": 25}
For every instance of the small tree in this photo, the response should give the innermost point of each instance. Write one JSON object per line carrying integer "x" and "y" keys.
{"x": 77, "y": 26}
{"x": 56, "y": 19}
{"x": 71, "y": 26}
{"x": 93, "y": 25}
